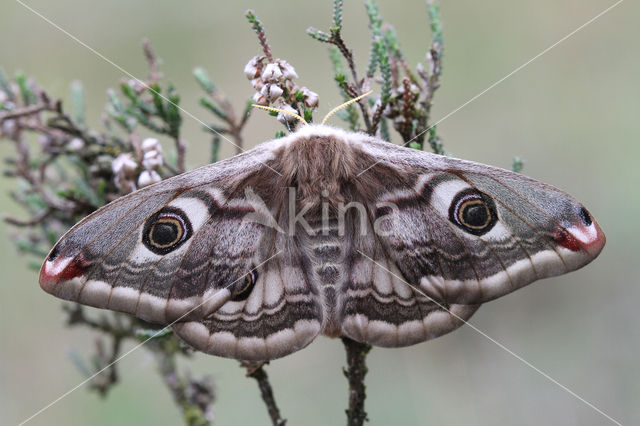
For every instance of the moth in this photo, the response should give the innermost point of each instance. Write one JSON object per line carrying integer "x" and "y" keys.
{"x": 320, "y": 232}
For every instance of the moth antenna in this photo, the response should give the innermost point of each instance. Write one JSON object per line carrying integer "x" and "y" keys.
{"x": 293, "y": 114}
{"x": 344, "y": 105}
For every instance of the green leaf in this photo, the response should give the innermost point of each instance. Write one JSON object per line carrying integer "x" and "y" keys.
{"x": 391, "y": 37}
{"x": 385, "y": 70}
{"x": 214, "y": 109}
{"x": 28, "y": 97}
{"x": 114, "y": 100}
{"x": 336, "y": 60}
{"x": 83, "y": 189}
{"x": 158, "y": 102}
{"x": 173, "y": 118}
{"x": 5, "y": 86}
{"x": 30, "y": 247}
{"x": 384, "y": 130}
{"x": 215, "y": 148}
{"x": 129, "y": 92}
{"x": 517, "y": 165}
{"x": 256, "y": 24}
{"x": 375, "y": 24}
{"x": 308, "y": 115}
{"x": 101, "y": 191}
{"x": 78, "y": 106}
{"x": 435, "y": 142}
{"x": 202, "y": 77}
{"x": 52, "y": 237}
{"x": 337, "y": 15}
{"x": 319, "y": 35}
{"x": 149, "y": 333}
{"x": 34, "y": 265}
{"x": 433, "y": 10}
{"x": 80, "y": 364}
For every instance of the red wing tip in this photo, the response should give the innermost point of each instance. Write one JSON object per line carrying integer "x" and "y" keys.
{"x": 60, "y": 269}
{"x": 581, "y": 237}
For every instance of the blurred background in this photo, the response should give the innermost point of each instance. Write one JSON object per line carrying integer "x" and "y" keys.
{"x": 571, "y": 114}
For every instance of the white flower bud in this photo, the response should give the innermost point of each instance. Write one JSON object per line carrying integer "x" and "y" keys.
{"x": 287, "y": 118}
{"x": 288, "y": 72}
{"x": 124, "y": 169}
{"x": 9, "y": 127}
{"x": 259, "y": 99}
{"x": 271, "y": 73}
{"x": 152, "y": 160}
{"x": 124, "y": 164}
{"x": 124, "y": 185}
{"x": 310, "y": 98}
{"x": 252, "y": 69}
{"x": 148, "y": 177}
{"x": 75, "y": 144}
{"x": 151, "y": 144}
{"x": 271, "y": 92}
{"x": 257, "y": 84}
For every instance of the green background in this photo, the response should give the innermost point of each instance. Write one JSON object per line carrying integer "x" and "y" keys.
{"x": 571, "y": 114}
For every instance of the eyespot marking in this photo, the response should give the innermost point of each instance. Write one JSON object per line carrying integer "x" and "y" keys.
{"x": 166, "y": 230}
{"x": 242, "y": 289}
{"x": 473, "y": 211}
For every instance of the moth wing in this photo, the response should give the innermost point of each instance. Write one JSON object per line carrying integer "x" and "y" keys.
{"x": 282, "y": 314}
{"x": 379, "y": 305}
{"x": 182, "y": 250}
{"x": 533, "y": 231}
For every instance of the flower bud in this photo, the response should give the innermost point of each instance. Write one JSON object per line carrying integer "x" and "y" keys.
{"x": 151, "y": 144}
{"x": 310, "y": 98}
{"x": 124, "y": 170}
{"x": 257, "y": 84}
{"x": 124, "y": 164}
{"x": 9, "y": 128}
{"x": 252, "y": 69}
{"x": 148, "y": 177}
{"x": 287, "y": 118}
{"x": 75, "y": 144}
{"x": 288, "y": 72}
{"x": 260, "y": 99}
{"x": 271, "y": 92}
{"x": 271, "y": 73}
{"x": 152, "y": 160}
